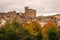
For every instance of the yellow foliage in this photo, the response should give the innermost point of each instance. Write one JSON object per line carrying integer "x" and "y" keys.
{"x": 32, "y": 27}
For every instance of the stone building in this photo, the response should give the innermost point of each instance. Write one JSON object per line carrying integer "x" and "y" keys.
{"x": 29, "y": 13}
{"x": 28, "y": 16}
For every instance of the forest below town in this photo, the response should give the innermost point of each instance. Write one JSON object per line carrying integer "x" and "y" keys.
{"x": 29, "y": 31}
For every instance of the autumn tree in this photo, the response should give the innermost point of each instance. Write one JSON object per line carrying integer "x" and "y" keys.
{"x": 34, "y": 29}
{"x": 49, "y": 24}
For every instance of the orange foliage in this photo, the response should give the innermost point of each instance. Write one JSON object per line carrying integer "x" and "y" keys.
{"x": 34, "y": 25}
{"x": 48, "y": 25}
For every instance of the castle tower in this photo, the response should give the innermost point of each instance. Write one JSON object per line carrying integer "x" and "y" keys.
{"x": 26, "y": 9}
{"x": 29, "y": 13}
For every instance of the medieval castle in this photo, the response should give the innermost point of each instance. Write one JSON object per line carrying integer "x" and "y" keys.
{"x": 28, "y": 16}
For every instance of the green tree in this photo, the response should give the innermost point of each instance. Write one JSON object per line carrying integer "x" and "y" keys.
{"x": 52, "y": 33}
{"x": 10, "y": 32}
{"x": 18, "y": 27}
{"x": 22, "y": 34}
{"x": 39, "y": 36}
{"x": 2, "y": 36}
{"x": 15, "y": 24}
{"x": 58, "y": 33}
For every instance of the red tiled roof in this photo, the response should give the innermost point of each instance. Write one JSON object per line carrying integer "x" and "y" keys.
{"x": 58, "y": 17}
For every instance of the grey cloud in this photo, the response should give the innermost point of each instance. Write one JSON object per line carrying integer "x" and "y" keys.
{"x": 42, "y": 6}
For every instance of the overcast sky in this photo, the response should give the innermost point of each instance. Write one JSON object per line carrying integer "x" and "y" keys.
{"x": 43, "y": 7}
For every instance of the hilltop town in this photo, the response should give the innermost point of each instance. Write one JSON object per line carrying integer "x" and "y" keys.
{"x": 28, "y": 16}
